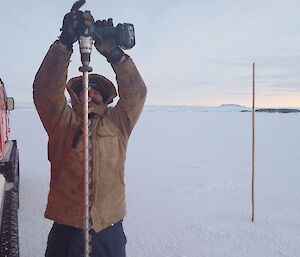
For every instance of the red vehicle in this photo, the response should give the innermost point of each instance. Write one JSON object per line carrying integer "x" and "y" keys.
{"x": 9, "y": 181}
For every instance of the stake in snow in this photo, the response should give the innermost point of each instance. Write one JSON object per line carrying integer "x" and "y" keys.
{"x": 253, "y": 144}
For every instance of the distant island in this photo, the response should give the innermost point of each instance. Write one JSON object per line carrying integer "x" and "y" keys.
{"x": 273, "y": 110}
{"x": 233, "y": 105}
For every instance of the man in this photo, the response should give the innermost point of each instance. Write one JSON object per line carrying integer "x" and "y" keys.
{"x": 111, "y": 128}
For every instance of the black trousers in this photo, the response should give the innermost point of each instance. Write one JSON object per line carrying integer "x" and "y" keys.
{"x": 66, "y": 241}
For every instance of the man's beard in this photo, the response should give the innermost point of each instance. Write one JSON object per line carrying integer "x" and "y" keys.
{"x": 97, "y": 108}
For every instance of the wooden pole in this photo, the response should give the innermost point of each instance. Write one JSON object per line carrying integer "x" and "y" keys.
{"x": 253, "y": 143}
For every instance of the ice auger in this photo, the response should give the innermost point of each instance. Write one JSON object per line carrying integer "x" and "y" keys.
{"x": 125, "y": 38}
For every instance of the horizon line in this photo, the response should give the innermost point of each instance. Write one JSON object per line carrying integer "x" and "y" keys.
{"x": 186, "y": 105}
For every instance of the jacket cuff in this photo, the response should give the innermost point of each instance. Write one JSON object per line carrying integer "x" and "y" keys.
{"x": 61, "y": 49}
{"x": 123, "y": 63}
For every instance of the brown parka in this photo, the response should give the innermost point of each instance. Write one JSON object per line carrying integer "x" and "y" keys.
{"x": 110, "y": 128}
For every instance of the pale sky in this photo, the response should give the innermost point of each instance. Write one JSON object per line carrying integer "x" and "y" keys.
{"x": 188, "y": 52}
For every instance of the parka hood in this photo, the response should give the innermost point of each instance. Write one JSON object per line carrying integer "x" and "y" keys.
{"x": 106, "y": 85}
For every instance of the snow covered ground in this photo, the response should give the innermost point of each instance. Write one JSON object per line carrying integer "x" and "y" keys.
{"x": 188, "y": 177}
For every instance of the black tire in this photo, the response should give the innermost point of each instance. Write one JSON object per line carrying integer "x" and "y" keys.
{"x": 9, "y": 238}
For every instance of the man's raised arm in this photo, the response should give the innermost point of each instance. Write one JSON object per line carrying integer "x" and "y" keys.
{"x": 49, "y": 85}
{"x": 50, "y": 80}
{"x": 132, "y": 91}
{"x": 131, "y": 87}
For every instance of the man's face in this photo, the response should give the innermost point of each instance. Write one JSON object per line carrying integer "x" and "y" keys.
{"x": 94, "y": 96}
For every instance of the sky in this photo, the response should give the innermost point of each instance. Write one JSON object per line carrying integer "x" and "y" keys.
{"x": 188, "y": 52}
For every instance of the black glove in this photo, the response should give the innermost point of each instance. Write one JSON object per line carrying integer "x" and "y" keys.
{"x": 108, "y": 46}
{"x": 73, "y": 24}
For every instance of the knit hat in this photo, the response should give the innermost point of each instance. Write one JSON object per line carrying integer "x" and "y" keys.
{"x": 96, "y": 81}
